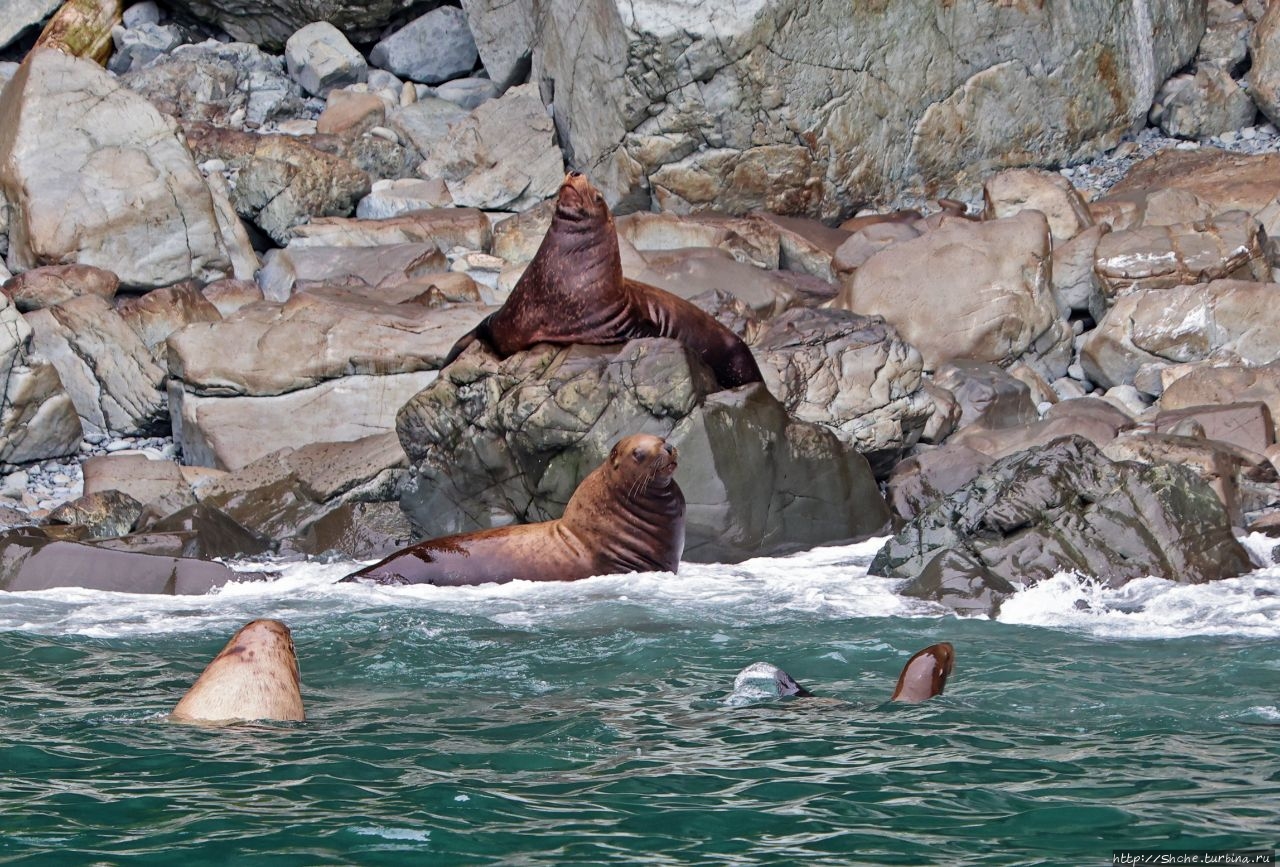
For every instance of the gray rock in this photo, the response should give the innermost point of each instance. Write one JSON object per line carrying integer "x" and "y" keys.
{"x": 270, "y": 23}
{"x": 1065, "y": 507}
{"x": 1075, "y": 282}
{"x": 30, "y": 561}
{"x": 144, "y": 12}
{"x": 968, "y": 290}
{"x": 18, "y": 16}
{"x": 1264, "y": 76}
{"x": 444, "y": 227}
{"x": 1226, "y": 37}
{"x": 102, "y": 514}
{"x": 1224, "y": 318}
{"x": 468, "y": 92}
{"x": 503, "y": 156}
{"x": 987, "y": 395}
{"x": 156, "y": 484}
{"x": 389, "y": 267}
{"x": 707, "y": 103}
{"x": 37, "y": 418}
{"x": 390, "y": 198}
{"x": 755, "y": 480}
{"x": 425, "y": 123}
{"x": 107, "y": 370}
{"x": 320, "y": 59}
{"x": 436, "y": 47}
{"x": 852, "y": 374}
{"x": 228, "y": 84}
{"x": 135, "y": 47}
{"x": 749, "y": 240}
{"x": 503, "y": 33}
{"x": 1203, "y": 105}
{"x": 690, "y": 272}
{"x": 77, "y": 140}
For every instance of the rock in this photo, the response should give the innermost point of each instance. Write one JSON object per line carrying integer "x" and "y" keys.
{"x": 135, "y": 47}
{"x": 468, "y": 92}
{"x": 397, "y": 198}
{"x": 928, "y": 476}
{"x": 1224, "y": 181}
{"x": 968, "y": 290}
{"x": 824, "y": 111}
{"x": 30, "y": 561}
{"x": 37, "y": 418}
{"x": 1159, "y": 257}
{"x": 750, "y": 241}
{"x": 200, "y": 531}
{"x": 502, "y": 156}
{"x": 987, "y": 395}
{"x": 107, "y": 370}
{"x": 141, "y": 208}
{"x": 1075, "y": 282}
{"x": 22, "y": 15}
{"x": 1243, "y": 481}
{"x": 141, "y": 14}
{"x": 1264, "y": 76}
{"x": 283, "y": 494}
{"x": 1202, "y": 385}
{"x": 320, "y": 59}
{"x": 444, "y": 227}
{"x": 103, "y": 514}
{"x": 357, "y": 531}
{"x": 755, "y": 481}
{"x": 946, "y": 413}
{"x": 864, "y": 243}
{"x": 53, "y": 284}
{"x": 849, "y": 373}
{"x": 269, "y": 24}
{"x": 1065, "y": 507}
{"x": 433, "y": 48}
{"x": 503, "y": 33}
{"x": 283, "y": 181}
{"x": 426, "y": 122}
{"x": 158, "y": 314}
{"x": 961, "y": 582}
{"x": 228, "y": 296}
{"x": 1015, "y": 190}
{"x": 1226, "y": 37}
{"x": 232, "y": 84}
{"x": 1245, "y": 425}
{"x": 1224, "y": 318}
{"x": 157, "y": 485}
{"x": 1155, "y": 207}
{"x": 386, "y": 267}
{"x": 82, "y": 28}
{"x": 351, "y": 113}
{"x": 805, "y": 246}
{"x": 1202, "y": 105}
{"x": 1097, "y": 421}
{"x": 691, "y": 272}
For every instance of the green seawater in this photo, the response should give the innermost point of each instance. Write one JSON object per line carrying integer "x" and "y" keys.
{"x": 588, "y": 724}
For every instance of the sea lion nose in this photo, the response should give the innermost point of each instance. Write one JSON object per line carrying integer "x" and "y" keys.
{"x": 574, "y": 175}
{"x": 669, "y": 449}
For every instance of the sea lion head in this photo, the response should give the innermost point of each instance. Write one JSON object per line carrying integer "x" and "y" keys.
{"x": 255, "y": 676}
{"x": 643, "y": 461}
{"x": 925, "y": 674}
{"x": 580, "y": 202}
{"x": 764, "y": 680}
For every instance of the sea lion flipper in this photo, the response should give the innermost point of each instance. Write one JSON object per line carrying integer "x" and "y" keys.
{"x": 479, "y": 333}
{"x": 925, "y": 674}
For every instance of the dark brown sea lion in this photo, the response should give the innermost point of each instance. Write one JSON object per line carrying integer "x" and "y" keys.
{"x": 923, "y": 677}
{"x": 574, "y": 292}
{"x": 626, "y": 516}
{"x": 254, "y": 677}
{"x": 925, "y": 674}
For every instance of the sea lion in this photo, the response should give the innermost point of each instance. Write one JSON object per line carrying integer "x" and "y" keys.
{"x": 626, "y": 516}
{"x": 254, "y": 677}
{"x": 925, "y": 674}
{"x": 573, "y": 291}
{"x": 923, "y": 677}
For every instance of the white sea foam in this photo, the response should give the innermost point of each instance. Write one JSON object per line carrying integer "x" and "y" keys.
{"x": 825, "y": 583}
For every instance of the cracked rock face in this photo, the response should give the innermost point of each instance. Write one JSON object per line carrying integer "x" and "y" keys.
{"x": 38, "y": 419}
{"x": 495, "y": 441}
{"x": 73, "y": 141}
{"x": 820, "y": 107}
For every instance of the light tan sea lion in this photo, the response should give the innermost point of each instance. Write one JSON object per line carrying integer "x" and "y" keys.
{"x": 574, "y": 292}
{"x": 626, "y": 516}
{"x": 254, "y": 677}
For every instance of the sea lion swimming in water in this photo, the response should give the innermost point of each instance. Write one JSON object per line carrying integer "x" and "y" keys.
{"x": 626, "y": 516}
{"x": 923, "y": 677}
{"x": 254, "y": 677}
{"x": 573, "y": 291}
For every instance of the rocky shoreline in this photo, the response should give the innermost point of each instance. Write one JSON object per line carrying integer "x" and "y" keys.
{"x": 237, "y": 268}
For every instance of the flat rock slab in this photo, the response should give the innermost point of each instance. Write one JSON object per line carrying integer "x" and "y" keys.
{"x": 32, "y": 562}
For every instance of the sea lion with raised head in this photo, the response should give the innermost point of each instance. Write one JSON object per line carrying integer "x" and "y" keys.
{"x": 923, "y": 677}
{"x": 626, "y": 516}
{"x": 254, "y": 677}
{"x": 573, "y": 291}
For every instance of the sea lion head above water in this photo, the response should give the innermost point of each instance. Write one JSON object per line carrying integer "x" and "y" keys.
{"x": 255, "y": 676}
{"x": 925, "y": 674}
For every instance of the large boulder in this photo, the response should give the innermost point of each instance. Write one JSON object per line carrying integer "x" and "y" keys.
{"x": 1234, "y": 319}
{"x": 852, "y": 374}
{"x": 1204, "y": 385}
{"x": 1063, "y": 508}
{"x": 492, "y": 442}
{"x": 31, "y": 561}
{"x": 37, "y": 418}
{"x": 821, "y": 106}
{"x": 271, "y": 23}
{"x": 93, "y": 174}
{"x": 968, "y": 290}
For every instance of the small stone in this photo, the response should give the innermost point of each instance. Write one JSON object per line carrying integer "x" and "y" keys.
{"x": 320, "y": 59}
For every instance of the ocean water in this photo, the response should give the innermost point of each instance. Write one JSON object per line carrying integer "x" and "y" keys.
{"x": 592, "y": 723}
